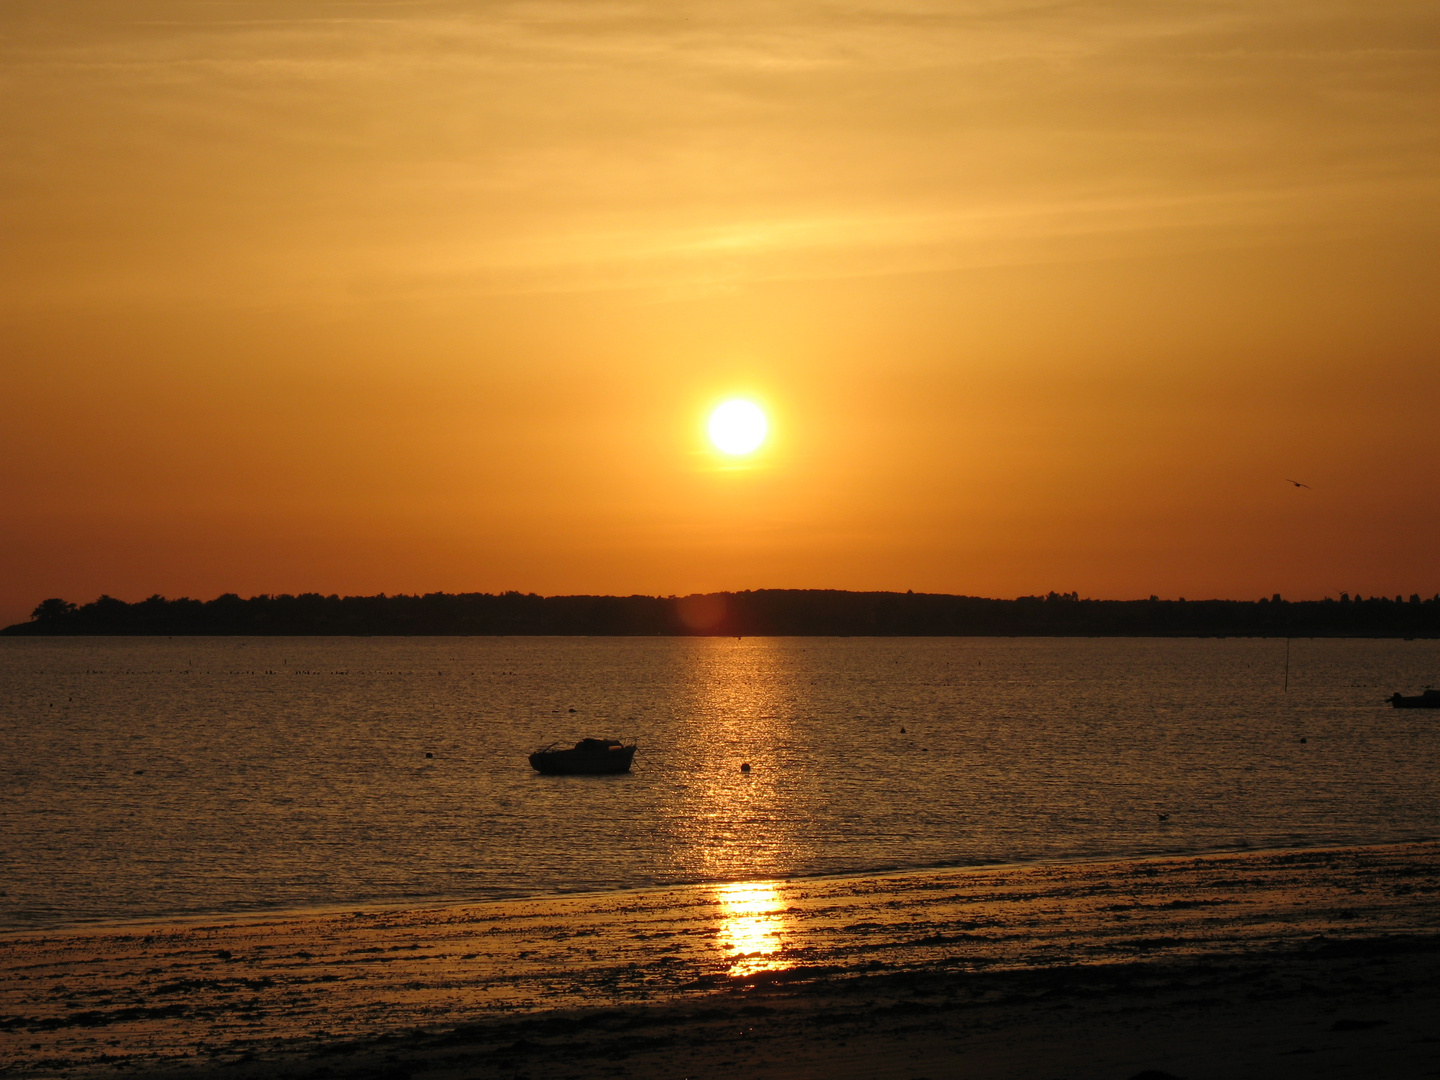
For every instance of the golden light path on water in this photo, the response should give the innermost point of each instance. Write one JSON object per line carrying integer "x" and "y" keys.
{"x": 742, "y": 823}
{"x": 752, "y": 932}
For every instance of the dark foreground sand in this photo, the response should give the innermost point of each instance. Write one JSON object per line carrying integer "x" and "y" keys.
{"x": 1270, "y": 964}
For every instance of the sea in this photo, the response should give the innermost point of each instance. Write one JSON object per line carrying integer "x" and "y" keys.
{"x": 168, "y": 778}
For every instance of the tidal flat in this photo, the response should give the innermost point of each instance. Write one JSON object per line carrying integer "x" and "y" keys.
{"x": 1306, "y": 963}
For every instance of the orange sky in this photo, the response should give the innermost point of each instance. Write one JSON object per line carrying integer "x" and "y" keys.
{"x": 413, "y": 296}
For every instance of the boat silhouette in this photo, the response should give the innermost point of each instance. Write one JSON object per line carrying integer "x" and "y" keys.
{"x": 588, "y": 757}
{"x": 1430, "y": 699}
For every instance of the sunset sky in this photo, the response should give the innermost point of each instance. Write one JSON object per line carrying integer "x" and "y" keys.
{"x": 413, "y": 296}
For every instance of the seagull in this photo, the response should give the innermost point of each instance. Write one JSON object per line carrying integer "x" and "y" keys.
{"x": 1296, "y": 483}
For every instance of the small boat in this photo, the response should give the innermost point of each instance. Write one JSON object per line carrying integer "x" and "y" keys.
{"x": 1430, "y": 699}
{"x": 588, "y": 757}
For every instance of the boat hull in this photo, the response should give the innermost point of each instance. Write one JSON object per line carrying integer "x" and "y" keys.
{"x": 582, "y": 762}
{"x": 1428, "y": 700}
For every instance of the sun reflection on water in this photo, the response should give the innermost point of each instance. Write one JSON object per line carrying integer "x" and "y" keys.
{"x": 732, "y": 822}
{"x": 753, "y": 929}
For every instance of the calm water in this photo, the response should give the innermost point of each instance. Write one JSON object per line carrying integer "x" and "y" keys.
{"x": 148, "y": 777}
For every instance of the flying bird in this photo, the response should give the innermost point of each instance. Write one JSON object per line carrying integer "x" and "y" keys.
{"x": 1296, "y": 483}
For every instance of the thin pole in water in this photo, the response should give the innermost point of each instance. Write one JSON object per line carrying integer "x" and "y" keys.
{"x": 1287, "y": 665}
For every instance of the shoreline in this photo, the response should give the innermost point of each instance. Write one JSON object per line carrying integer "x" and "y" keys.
{"x": 283, "y": 914}
{"x": 286, "y": 996}
{"x": 747, "y": 613}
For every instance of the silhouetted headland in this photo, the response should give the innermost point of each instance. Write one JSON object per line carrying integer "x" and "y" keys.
{"x": 763, "y": 612}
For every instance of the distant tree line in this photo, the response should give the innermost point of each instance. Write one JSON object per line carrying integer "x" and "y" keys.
{"x": 805, "y": 612}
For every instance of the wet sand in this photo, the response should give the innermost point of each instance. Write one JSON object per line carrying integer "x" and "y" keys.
{"x": 1277, "y": 964}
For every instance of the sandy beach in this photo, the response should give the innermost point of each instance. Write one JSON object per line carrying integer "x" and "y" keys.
{"x": 1311, "y": 963}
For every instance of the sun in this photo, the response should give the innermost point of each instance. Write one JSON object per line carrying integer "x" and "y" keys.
{"x": 738, "y": 427}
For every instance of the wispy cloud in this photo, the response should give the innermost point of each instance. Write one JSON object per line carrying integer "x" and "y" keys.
{"x": 249, "y": 147}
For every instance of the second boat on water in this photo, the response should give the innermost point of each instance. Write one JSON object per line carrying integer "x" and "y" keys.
{"x": 1430, "y": 699}
{"x": 588, "y": 757}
